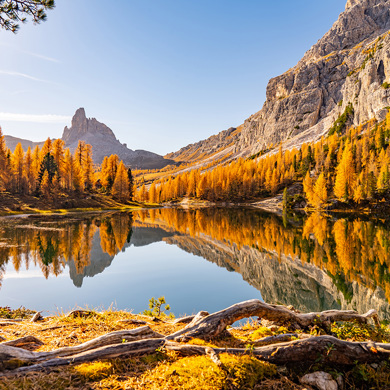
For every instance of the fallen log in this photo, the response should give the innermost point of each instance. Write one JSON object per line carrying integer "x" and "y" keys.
{"x": 189, "y": 319}
{"x": 328, "y": 348}
{"x": 9, "y": 353}
{"x": 117, "y": 337}
{"x": 143, "y": 340}
{"x": 214, "y": 324}
{"x": 28, "y": 342}
{"x": 124, "y": 350}
{"x": 280, "y": 338}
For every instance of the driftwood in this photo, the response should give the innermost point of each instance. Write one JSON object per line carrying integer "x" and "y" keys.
{"x": 28, "y": 342}
{"x": 142, "y": 340}
{"x": 132, "y": 322}
{"x": 189, "y": 319}
{"x": 37, "y": 317}
{"x": 214, "y": 324}
{"x": 280, "y": 338}
{"x": 328, "y": 348}
{"x": 123, "y": 350}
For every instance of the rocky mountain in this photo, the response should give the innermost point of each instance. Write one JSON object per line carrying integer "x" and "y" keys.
{"x": 213, "y": 147}
{"x": 279, "y": 278}
{"x": 104, "y": 143}
{"x": 11, "y": 142}
{"x": 350, "y": 64}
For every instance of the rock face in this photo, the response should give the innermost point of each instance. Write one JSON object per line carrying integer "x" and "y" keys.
{"x": 11, "y": 143}
{"x": 222, "y": 143}
{"x": 104, "y": 143}
{"x": 348, "y": 65}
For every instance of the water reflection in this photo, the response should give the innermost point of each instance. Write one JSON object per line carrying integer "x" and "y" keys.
{"x": 54, "y": 242}
{"x": 315, "y": 264}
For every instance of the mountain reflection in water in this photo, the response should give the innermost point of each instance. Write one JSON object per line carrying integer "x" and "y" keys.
{"x": 314, "y": 264}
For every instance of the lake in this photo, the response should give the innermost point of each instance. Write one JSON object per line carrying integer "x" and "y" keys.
{"x": 199, "y": 259}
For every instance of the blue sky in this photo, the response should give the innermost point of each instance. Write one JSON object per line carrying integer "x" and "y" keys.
{"x": 161, "y": 74}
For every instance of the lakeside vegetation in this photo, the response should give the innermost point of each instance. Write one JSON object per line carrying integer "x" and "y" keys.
{"x": 349, "y": 165}
{"x": 52, "y": 177}
{"x": 165, "y": 368}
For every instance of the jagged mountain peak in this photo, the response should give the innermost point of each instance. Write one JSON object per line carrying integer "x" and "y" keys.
{"x": 81, "y": 126}
{"x": 361, "y": 19}
{"x": 104, "y": 143}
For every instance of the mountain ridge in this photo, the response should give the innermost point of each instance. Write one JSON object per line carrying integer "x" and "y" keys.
{"x": 349, "y": 64}
{"x": 103, "y": 141}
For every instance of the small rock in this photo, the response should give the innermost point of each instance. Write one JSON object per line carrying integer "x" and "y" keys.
{"x": 340, "y": 382}
{"x": 321, "y": 380}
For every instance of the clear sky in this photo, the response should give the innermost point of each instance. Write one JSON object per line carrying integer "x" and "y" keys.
{"x": 160, "y": 73}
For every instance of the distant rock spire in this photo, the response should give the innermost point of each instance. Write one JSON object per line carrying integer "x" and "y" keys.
{"x": 82, "y": 126}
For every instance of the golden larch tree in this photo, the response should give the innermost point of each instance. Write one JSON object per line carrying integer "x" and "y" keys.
{"x": 120, "y": 187}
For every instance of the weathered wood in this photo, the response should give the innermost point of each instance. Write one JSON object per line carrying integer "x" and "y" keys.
{"x": 131, "y": 321}
{"x": 37, "y": 317}
{"x": 214, "y": 324}
{"x": 213, "y": 356}
{"x": 279, "y": 338}
{"x": 189, "y": 319}
{"x": 51, "y": 328}
{"x": 28, "y": 342}
{"x": 8, "y": 353}
{"x": 123, "y": 350}
{"x": 328, "y": 348}
{"x": 142, "y": 340}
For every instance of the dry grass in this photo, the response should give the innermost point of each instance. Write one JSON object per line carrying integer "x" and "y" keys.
{"x": 166, "y": 369}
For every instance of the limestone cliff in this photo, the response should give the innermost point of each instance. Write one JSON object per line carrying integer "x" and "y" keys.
{"x": 104, "y": 143}
{"x": 350, "y": 64}
{"x": 284, "y": 280}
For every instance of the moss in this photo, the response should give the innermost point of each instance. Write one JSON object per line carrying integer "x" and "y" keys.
{"x": 340, "y": 124}
{"x": 386, "y": 85}
{"x": 95, "y": 371}
{"x": 362, "y": 332}
{"x": 200, "y": 372}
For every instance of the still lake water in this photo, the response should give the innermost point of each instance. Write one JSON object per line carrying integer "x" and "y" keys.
{"x": 204, "y": 259}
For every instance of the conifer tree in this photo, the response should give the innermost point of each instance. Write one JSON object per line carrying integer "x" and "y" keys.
{"x": 120, "y": 187}
{"x": 18, "y": 168}
{"x": 345, "y": 176}
{"x": 320, "y": 191}
{"x": 131, "y": 183}
{"x": 3, "y": 162}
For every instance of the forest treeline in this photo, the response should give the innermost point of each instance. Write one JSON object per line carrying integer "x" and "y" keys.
{"x": 53, "y": 170}
{"x": 349, "y": 165}
{"x": 51, "y": 245}
{"x": 348, "y": 250}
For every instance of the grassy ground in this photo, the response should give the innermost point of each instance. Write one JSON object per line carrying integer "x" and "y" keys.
{"x": 16, "y": 204}
{"x": 166, "y": 369}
